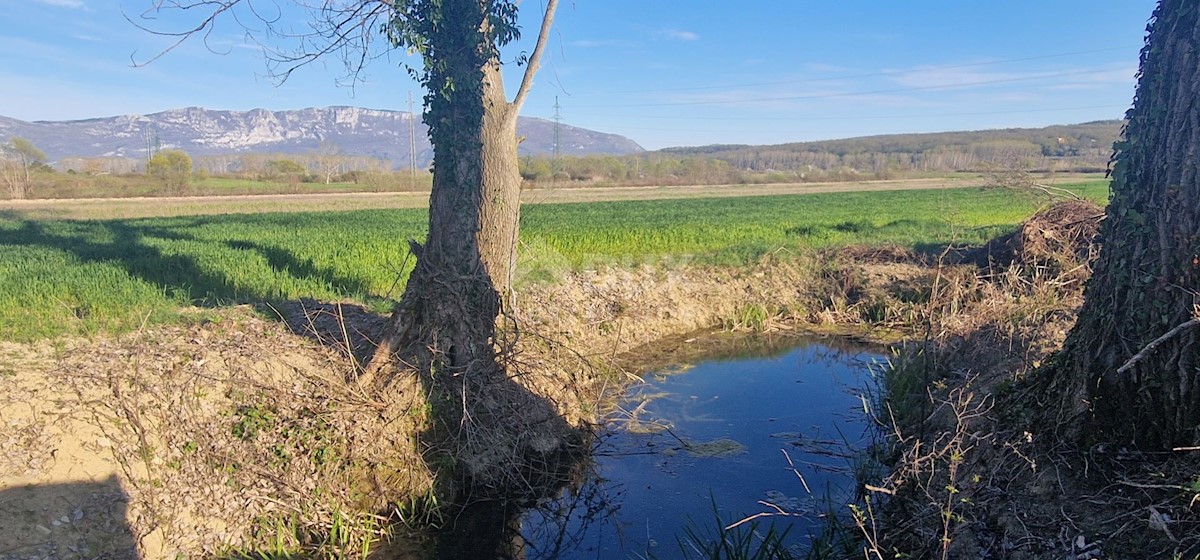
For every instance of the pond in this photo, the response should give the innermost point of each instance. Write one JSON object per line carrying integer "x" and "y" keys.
{"x": 725, "y": 438}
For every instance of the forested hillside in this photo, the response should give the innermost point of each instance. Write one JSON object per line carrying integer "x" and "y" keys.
{"x": 1064, "y": 148}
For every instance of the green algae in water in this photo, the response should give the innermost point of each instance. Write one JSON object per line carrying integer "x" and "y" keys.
{"x": 717, "y": 448}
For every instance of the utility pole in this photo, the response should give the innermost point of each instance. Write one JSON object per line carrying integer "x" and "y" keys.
{"x": 152, "y": 142}
{"x": 412, "y": 142}
{"x": 557, "y": 136}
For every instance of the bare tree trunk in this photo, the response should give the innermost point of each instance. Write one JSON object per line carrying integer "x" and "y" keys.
{"x": 1147, "y": 278}
{"x": 500, "y": 211}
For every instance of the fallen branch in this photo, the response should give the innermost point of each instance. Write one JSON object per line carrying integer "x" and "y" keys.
{"x": 1141, "y": 355}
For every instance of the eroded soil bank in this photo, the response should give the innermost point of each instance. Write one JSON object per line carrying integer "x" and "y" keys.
{"x": 241, "y": 432}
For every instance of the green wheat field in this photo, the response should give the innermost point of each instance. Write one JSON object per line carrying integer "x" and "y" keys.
{"x": 63, "y": 277}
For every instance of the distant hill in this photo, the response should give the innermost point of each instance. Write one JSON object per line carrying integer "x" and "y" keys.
{"x": 1086, "y": 145}
{"x": 206, "y": 132}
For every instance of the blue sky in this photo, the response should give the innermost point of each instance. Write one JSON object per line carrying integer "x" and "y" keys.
{"x": 662, "y": 72}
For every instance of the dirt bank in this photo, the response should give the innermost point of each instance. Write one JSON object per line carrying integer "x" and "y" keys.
{"x": 240, "y": 430}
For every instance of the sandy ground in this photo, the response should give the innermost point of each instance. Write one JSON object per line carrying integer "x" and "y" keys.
{"x": 106, "y": 208}
{"x": 177, "y": 441}
{"x": 61, "y": 495}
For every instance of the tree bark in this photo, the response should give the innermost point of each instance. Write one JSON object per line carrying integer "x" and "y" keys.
{"x": 500, "y": 208}
{"x": 464, "y": 272}
{"x": 1147, "y": 277}
{"x": 450, "y": 303}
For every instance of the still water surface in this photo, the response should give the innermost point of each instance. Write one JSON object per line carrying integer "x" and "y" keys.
{"x": 715, "y": 433}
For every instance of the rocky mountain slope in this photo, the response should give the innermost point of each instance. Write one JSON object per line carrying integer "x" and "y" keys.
{"x": 354, "y": 131}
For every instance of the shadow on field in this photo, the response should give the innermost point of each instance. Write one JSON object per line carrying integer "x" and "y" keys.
{"x": 284, "y": 261}
{"x": 350, "y": 329}
{"x": 181, "y": 265}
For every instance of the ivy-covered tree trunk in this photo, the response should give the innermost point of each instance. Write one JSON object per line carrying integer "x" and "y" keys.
{"x": 1133, "y": 357}
{"x": 464, "y": 268}
{"x": 506, "y": 443}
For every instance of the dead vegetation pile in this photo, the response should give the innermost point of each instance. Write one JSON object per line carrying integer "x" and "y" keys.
{"x": 972, "y": 477}
{"x": 1054, "y": 243}
{"x": 998, "y": 311}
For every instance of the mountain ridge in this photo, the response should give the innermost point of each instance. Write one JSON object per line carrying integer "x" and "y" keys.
{"x": 356, "y": 131}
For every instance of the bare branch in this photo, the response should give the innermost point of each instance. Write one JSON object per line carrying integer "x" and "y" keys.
{"x": 204, "y": 26}
{"x": 350, "y": 30}
{"x": 535, "y": 58}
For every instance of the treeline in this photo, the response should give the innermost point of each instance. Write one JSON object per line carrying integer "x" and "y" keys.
{"x": 650, "y": 168}
{"x": 25, "y": 173}
{"x": 659, "y": 168}
{"x": 1068, "y": 148}
{"x": 315, "y": 167}
{"x": 1075, "y": 148}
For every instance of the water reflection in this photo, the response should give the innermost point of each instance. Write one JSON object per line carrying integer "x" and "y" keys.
{"x": 741, "y": 435}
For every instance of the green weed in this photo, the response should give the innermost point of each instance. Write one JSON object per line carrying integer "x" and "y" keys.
{"x": 251, "y": 420}
{"x": 721, "y": 539}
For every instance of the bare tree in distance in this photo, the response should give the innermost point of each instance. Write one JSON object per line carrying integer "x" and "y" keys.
{"x": 328, "y": 159}
{"x": 1013, "y": 174}
{"x": 18, "y": 158}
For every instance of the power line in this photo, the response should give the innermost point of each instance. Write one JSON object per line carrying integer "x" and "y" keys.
{"x": 871, "y": 117}
{"x": 557, "y": 136}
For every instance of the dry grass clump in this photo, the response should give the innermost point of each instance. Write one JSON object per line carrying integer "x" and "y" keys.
{"x": 1011, "y": 304}
{"x": 612, "y": 311}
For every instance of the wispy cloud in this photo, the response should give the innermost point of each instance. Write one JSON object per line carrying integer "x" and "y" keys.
{"x": 678, "y": 35}
{"x": 935, "y": 77}
{"x": 601, "y": 44}
{"x": 949, "y": 77}
{"x": 74, "y": 4}
{"x": 824, "y": 67}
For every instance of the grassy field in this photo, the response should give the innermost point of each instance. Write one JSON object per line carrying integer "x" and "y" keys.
{"x": 78, "y": 277}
